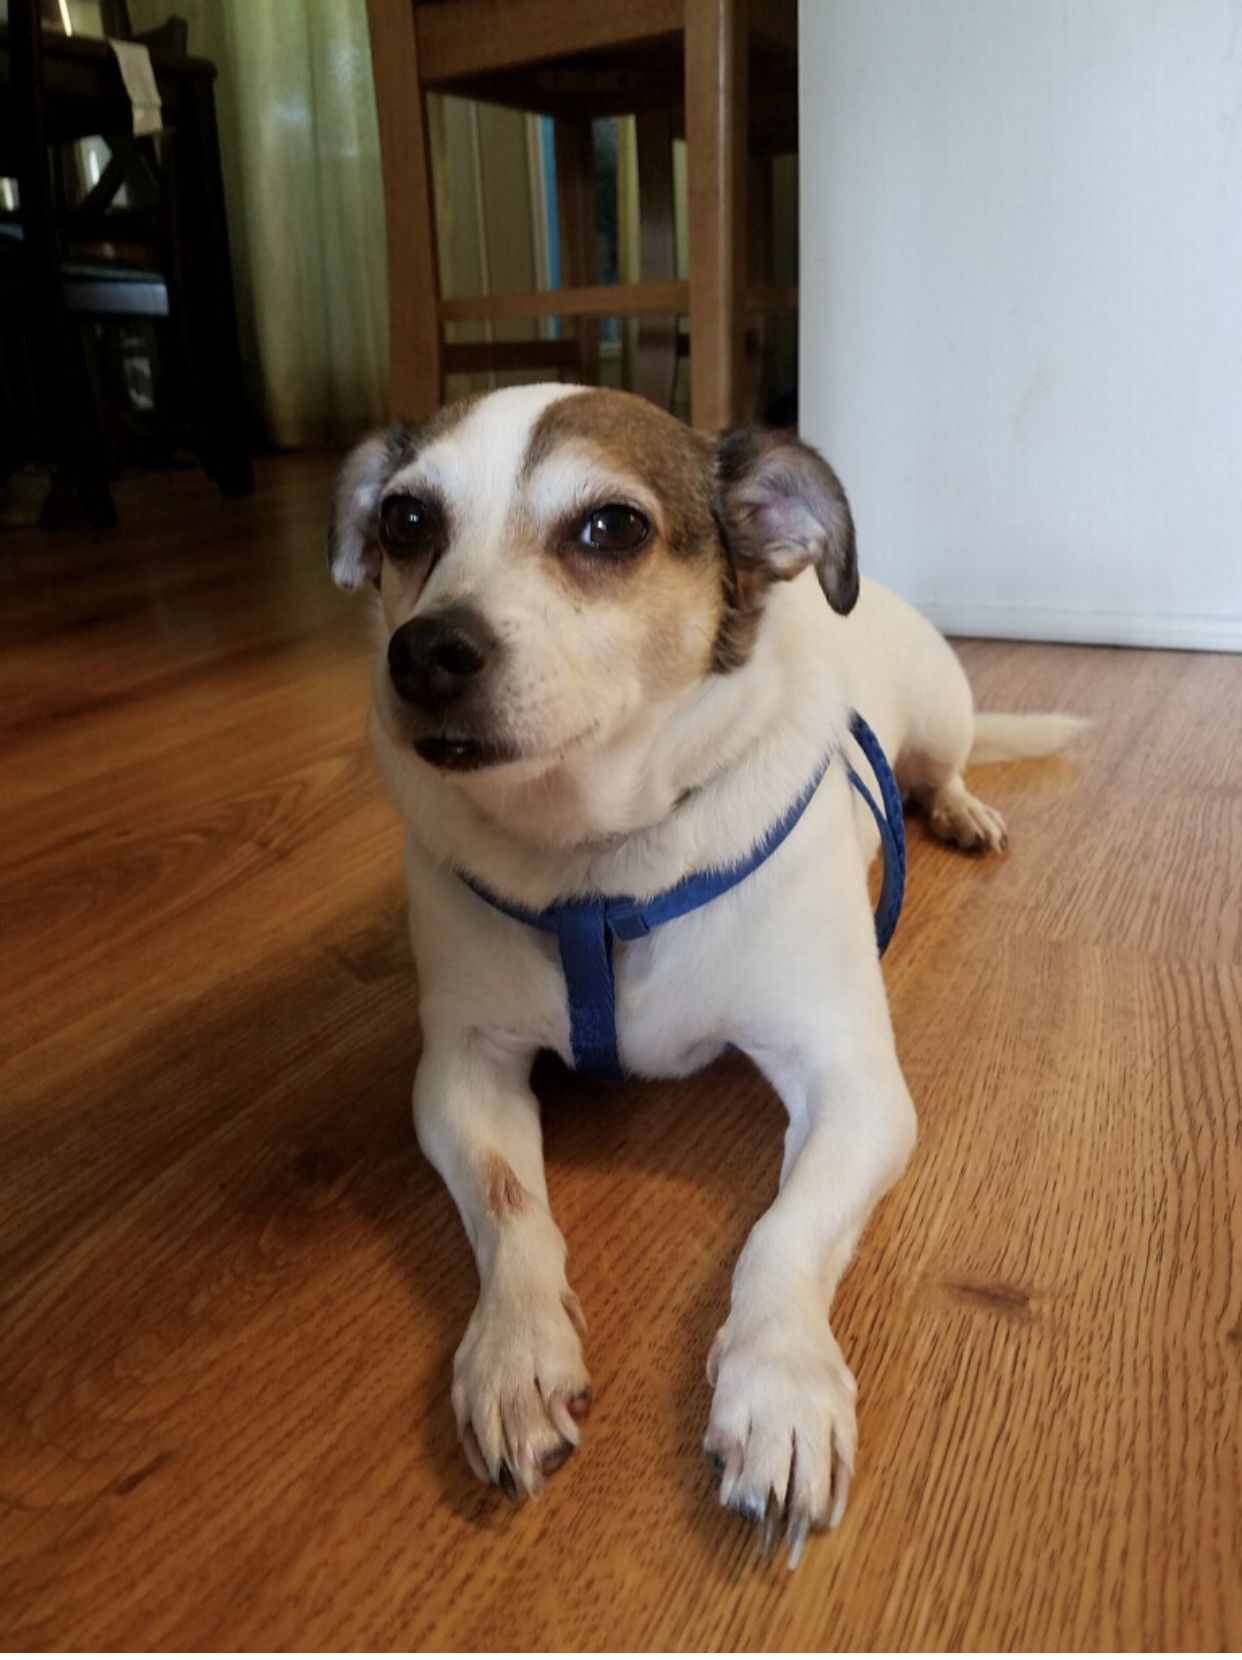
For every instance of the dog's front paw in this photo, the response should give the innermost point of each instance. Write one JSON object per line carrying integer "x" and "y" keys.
{"x": 783, "y": 1431}
{"x": 520, "y": 1384}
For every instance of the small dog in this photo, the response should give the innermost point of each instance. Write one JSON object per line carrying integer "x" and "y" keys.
{"x": 622, "y": 659}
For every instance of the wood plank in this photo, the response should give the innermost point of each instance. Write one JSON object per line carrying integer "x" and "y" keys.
{"x": 716, "y": 102}
{"x": 416, "y": 368}
{"x": 622, "y": 299}
{"x": 471, "y": 37}
{"x": 230, "y": 1287}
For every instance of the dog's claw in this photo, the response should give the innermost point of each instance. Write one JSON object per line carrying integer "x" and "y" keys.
{"x": 553, "y": 1459}
{"x": 474, "y": 1454}
{"x": 508, "y": 1486}
{"x": 796, "y": 1536}
{"x": 771, "y": 1521}
{"x": 561, "y": 1412}
{"x": 730, "y": 1469}
{"x": 842, "y": 1474}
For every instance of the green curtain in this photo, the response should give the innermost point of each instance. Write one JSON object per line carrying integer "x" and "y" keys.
{"x": 300, "y": 145}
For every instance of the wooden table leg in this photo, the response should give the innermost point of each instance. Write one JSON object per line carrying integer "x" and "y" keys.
{"x": 416, "y": 353}
{"x": 206, "y": 284}
{"x": 655, "y": 360}
{"x": 575, "y": 201}
{"x": 716, "y": 77}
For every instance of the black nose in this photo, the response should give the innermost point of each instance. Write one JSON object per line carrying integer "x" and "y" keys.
{"x": 434, "y": 660}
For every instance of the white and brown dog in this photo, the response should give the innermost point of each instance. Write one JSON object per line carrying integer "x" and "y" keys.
{"x": 610, "y": 665}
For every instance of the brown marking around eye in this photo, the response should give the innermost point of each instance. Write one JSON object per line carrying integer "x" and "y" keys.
{"x": 677, "y": 465}
{"x": 590, "y": 571}
{"x": 633, "y": 436}
{"x": 506, "y": 1197}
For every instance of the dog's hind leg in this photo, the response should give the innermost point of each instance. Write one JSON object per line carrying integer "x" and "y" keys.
{"x": 939, "y": 736}
{"x": 956, "y": 816}
{"x": 519, "y": 1378}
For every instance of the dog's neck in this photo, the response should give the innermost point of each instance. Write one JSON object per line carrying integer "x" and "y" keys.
{"x": 688, "y": 784}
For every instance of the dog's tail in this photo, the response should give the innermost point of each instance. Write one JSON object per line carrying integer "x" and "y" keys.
{"x": 1019, "y": 737}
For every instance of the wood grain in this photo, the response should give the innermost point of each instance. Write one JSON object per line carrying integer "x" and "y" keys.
{"x": 416, "y": 364}
{"x": 717, "y": 70}
{"x": 231, "y": 1288}
{"x": 620, "y": 299}
{"x": 473, "y": 36}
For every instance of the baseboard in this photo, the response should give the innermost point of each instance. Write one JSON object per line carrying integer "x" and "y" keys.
{"x": 1100, "y": 628}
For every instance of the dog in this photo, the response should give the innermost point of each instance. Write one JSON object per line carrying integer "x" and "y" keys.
{"x": 621, "y": 654}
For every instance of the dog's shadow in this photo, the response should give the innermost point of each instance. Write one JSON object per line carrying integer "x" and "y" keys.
{"x": 290, "y": 1109}
{"x": 700, "y": 1155}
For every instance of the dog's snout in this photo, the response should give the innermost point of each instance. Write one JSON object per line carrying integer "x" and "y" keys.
{"x": 434, "y": 660}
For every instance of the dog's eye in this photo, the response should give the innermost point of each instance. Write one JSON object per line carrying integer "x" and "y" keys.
{"x": 407, "y": 526}
{"x": 614, "y": 528}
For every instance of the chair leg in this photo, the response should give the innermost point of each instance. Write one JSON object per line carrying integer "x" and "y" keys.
{"x": 205, "y": 283}
{"x": 759, "y": 355}
{"x": 416, "y": 355}
{"x": 66, "y": 409}
{"x": 716, "y": 101}
{"x": 655, "y": 360}
{"x": 575, "y": 201}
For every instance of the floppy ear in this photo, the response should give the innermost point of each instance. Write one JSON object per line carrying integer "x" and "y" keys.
{"x": 782, "y": 508}
{"x": 353, "y": 553}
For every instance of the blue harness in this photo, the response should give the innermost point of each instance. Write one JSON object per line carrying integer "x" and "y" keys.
{"x": 586, "y": 928}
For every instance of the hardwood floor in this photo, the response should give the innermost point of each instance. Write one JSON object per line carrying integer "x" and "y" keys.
{"x": 231, "y": 1288}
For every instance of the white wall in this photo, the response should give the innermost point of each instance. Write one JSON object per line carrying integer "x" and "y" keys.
{"x": 1022, "y": 307}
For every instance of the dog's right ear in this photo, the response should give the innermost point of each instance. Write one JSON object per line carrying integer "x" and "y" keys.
{"x": 781, "y": 508}
{"x": 353, "y": 551}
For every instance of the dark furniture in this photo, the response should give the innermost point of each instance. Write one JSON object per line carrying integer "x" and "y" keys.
{"x": 53, "y": 91}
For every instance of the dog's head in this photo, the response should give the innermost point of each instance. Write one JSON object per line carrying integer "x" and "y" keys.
{"x": 555, "y": 563}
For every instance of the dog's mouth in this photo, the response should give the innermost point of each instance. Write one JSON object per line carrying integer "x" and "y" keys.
{"x": 462, "y": 754}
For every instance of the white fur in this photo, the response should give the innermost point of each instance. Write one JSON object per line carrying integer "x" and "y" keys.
{"x": 784, "y": 966}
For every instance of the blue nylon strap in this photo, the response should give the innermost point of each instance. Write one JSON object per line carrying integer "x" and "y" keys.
{"x": 892, "y": 827}
{"x": 586, "y": 928}
{"x": 586, "y": 957}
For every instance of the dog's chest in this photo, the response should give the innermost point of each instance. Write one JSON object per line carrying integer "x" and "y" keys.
{"x": 741, "y": 969}
{"x": 728, "y": 972}
{"x": 674, "y": 1006}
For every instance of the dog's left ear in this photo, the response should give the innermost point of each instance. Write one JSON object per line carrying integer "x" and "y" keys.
{"x": 353, "y": 551}
{"x": 782, "y": 508}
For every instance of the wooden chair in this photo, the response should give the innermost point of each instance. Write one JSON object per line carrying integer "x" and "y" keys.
{"x": 52, "y": 92}
{"x": 723, "y": 72}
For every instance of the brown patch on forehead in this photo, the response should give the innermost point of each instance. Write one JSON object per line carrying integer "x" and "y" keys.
{"x": 678, "y": 466}
{"x": 412, "y": 438}
{"x": 635, "y": 437}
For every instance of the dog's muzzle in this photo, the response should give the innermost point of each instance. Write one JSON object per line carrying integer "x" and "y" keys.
{"x": 438, "y": 668}
{"x": 435, "y": 661}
